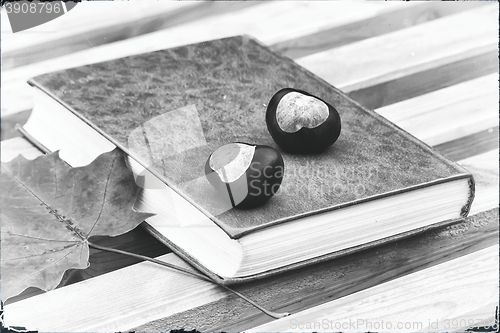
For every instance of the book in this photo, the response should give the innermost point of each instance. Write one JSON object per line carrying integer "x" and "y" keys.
{"x": 169, "y": 110}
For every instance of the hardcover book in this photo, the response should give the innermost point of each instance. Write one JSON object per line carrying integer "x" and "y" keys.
{"x": 169, "y": 110}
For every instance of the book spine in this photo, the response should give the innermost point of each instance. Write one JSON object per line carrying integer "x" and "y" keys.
{"x": 472, "y": 192}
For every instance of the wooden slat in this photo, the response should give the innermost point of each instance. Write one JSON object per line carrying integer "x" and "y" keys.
{"x": 155, "y": 292}
{"x": 416, "y": 84}
{"x": 276, "y": 27}
{"x": 383, "y": 23}
{"x": 407, "y": 51}
{"x": 151, "y": 292}
{"x": 450, "y": 113}
{"x": 302, "y": 289}
{"x": 92, "y": 24}
{"x": 467, "y": 297}
{"x": 273, "y": 27}
{"x": 84, "y": 17}
{"x": 477, "y": 143}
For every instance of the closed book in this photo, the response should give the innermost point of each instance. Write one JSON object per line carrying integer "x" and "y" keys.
{"x": 169, "y": 110}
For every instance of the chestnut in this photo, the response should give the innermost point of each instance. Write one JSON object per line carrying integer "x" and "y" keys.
{"x": 248, "y": 174}
{"x": 300, "y": 122}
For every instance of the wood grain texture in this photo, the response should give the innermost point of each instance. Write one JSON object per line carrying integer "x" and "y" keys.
{"x": 383, "y": 23}
{"x": 450, "y": 113}
{"x": 91, "y": 25}
{"x": 152, "y": 291}
{"x": 423, "y": 82}
{"x": 375, "y": 60}
{"x": 102, "y": 306}
{"x": 476, "y": 143}
{"x": 87, "y": 18}
{"x": 273, "y": 26}
{"x": 411, "y": 303}
{"x": 88, "y": 25}
{"x": 303, "y": 289}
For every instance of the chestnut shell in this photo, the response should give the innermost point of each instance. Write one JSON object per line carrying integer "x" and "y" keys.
{"x": 260, "y": 181}
{"x": 305, "y": 140}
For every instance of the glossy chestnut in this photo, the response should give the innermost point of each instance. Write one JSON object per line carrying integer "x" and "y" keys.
{"x": 302, "y": 123}
{"x": 248, "y": 174}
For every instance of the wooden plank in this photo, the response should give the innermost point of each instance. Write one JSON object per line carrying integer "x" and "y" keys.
{"x": 153, "y": 292}
{"x": 16, "y": 98}
{"x": 91, "y": 24}
{"x": 450, "y": 113}
{"x": 469, "y": 145}
{"x": 84, "y": 17}
{"x": 435, "y": 78}
{"x": 383, "y": 23}
{"x": 455, "y": 295}
{"x": 182, "y": 302}
{"x": 375, "y": 60}
{"x": 273, "y": 26}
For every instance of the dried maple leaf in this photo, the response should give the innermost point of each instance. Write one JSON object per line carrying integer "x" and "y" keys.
{"x": 49, "y": 210}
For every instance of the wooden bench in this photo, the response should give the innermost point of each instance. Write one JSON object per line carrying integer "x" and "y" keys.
{"x": 431, "y": 68}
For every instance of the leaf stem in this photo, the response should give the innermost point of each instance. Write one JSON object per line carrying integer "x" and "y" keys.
{"x": 272, "y": 314}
